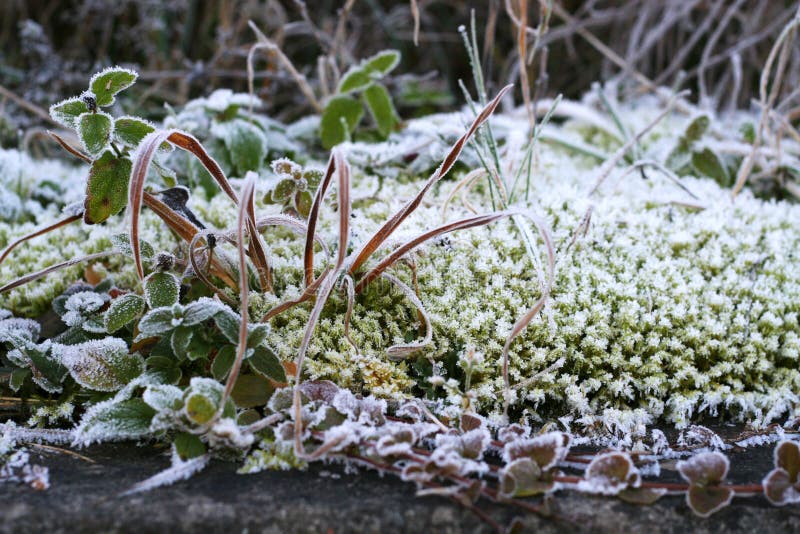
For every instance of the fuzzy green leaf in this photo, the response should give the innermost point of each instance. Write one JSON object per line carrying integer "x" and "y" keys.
{"x": 115, "y": 420}
{"x": 102, "y": 365}
{"x": 355, "y": 79}
{"x": 201, "y": 310}
{"x": 265, "y": 362}
{"x": 94, "y": 130}
{"x": 707, "y": 163}
{"x": 251, "y": 391}
{"x": 284, "y": 189}
{"x": 188, "y": 446}
{"x": 164, "y": 368}
{"x": 181, "y": 337}
{"x": 17, "y": 378}
{"x": 109, "y": 82}
{"x": 157, "y": 322}
{"x": 122, "y": 244}
{"x": 302, "y": 203}
{"x": 67, "y": 111}
{"x": 122, "y": 311}
{"x": 381, "y": 108}
{"x": 106, "y": 188}
{"x": 696, "y": 128}
{"x": 245, "y": 142}
{"x": 382, "y": 63}
{"x": 161, "y": 289}
{"x": 131, "y": 130}
{"x": 339, "y": 119}
{"x": 223, "y": 362}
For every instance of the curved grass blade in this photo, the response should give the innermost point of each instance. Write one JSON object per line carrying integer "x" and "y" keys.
{"x": 142, "y": 161}
{"x": 69, "y": 148}
{"x": 383, "y": 233}
{"x": 39, "y": 231}
{"x": 30, "y": 277}
{"x": 248, "y": 192}
{"x": 313, "y": 216}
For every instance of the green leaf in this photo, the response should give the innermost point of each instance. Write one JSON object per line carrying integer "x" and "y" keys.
{"x": 284, "y": 189}
{"x": 266, "y": 363}
{"x": 106, "y": 188}
{"x": 355, "y": 79}
{"x": 181, "y": 337}
{"x": 127, "y": 419}
{"x": 161, "y": 289}
{"x": 340, "y": 117}
{"x": 188, "y": 446}
{"x": 131, "y": 130}
{"x": 67, "y": 111}
{"x": 164, "y": 368}
{"x": 94, "y": 130}
{"x": 157, "y": 322}
{"x": 122, "y": 311}
{"x": 382, "y": 63}
{"x": 102, "y": 364}
{"x": 109, "y": 82}
{"x": 45, "y": 365}
{"x": 707, "y": 163}
{"x": 223, "y": 362}
{"x": 302, "y": 203}
{"x": 17, "y": 378}
{"x": 696, "y": 128}
{"x": 122, "y": 244}
{"x": 245, "y": 142}
{"x": 201, "y": 310}
{"x": 251, "y": 391}
{"x": 381, "y": 108}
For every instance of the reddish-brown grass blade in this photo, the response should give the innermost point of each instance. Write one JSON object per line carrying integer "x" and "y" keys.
{"x": 30, "y": 277}
{"x": 380, "y": 236}
{"x": 39, "y": 231}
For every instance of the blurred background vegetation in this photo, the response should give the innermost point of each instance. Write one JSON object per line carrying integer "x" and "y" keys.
{"x": 187, "y": 48}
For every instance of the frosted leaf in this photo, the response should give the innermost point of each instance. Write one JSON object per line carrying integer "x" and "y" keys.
{"x": 110, "y": 81}
{"x": 14, "y": 330}
{"x": 101, "y": 365}
{"x": 202, "y": 399}
{"x": 161, "y": 290}
{"x": 610, "y": 473}
{"x": 158, "y": 321}
{"x": 201, "y": 310}
{"x": 395, "y": 441}
{"x": 114, "y": 420}
{"x": 320, "y": 390}
{"x": 523, "y": 478}
{"x": 281, "y": 400}
{"x": 513, "y": 432}
{"x": 546, "y": 450}
{"x": 122, "y": 311}
{"x": 781, "y": 485}
{"x": 180, "y": 470}
{"x": 706, "y": 468}
{"x": 697, "y": 436}
{"x": 163, "y": 397}
{"x": 79, "y": 306}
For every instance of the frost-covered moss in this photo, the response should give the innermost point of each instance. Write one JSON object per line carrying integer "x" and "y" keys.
{"x": 659, "y": 311}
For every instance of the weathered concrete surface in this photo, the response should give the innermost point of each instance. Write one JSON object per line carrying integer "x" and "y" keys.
{"x": 325, "y": 499}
